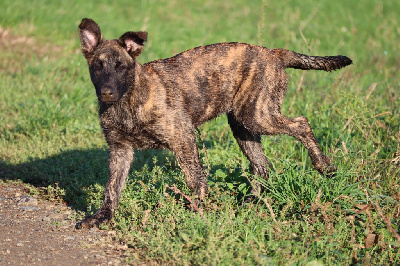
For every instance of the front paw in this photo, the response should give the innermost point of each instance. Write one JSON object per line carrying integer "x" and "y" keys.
{"x": 94, "y": 220}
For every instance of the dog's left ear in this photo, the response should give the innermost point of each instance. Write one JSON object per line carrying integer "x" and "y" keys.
{"x": 133, "y": 42}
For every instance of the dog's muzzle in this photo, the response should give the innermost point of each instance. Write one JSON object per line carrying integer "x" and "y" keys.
{"x": 108, "y": 95}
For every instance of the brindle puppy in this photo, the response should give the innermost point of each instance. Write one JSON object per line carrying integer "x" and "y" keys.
{"x": 160, "y": 104}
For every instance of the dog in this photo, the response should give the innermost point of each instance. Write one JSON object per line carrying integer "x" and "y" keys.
{"x": 161, "y": 103}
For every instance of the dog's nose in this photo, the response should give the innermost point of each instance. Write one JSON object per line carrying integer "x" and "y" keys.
{"x": 107, "y": 93}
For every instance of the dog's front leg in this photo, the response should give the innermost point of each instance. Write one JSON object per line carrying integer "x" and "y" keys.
{"x": 121, "y": 157}
{"x": 186, "y": 153}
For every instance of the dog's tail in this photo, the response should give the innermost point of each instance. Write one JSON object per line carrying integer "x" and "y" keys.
{"x": 306, "y": 62}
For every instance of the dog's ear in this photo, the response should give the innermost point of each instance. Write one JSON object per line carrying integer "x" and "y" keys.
{"x": 133, "y": 42}
{"x": 90, "y": 35}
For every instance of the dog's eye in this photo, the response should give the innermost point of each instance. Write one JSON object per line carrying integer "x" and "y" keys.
{"x": 119, "y": 66}
{"x": 97, "y": 67}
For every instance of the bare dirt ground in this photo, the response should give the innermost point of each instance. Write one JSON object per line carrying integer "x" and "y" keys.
{"x": 39, "y": 232}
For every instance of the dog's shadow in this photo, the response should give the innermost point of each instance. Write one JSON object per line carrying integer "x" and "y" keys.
{"x": 70, "y": 172}
{"x": 67, "y": 175}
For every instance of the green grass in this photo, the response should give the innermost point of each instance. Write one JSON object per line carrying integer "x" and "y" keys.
{"x": 50, "y": 135}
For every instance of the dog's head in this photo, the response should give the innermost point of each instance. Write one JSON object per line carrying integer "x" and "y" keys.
{"x": 111, "y": 62}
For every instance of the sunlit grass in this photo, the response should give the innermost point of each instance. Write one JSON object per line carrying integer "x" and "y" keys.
{"x": 50, "y": 135}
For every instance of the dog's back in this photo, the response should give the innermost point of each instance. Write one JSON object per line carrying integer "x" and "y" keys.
{"x": 209, "y": 80}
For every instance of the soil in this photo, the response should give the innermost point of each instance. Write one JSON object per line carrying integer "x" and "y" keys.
{"x": 34, "y": 231}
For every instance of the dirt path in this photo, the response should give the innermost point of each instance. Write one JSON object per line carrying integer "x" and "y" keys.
{"x": 39, "y": 232}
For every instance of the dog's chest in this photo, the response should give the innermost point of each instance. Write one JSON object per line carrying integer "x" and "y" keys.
{"x": 122, "y": 125}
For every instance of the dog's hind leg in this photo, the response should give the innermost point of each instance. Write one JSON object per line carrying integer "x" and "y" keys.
{"x": 261, "y": 114}
{"x": 250, "y": 144}
{"x": 276, "y": 123}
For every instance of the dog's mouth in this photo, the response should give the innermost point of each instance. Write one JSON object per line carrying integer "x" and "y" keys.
{"x": 108, "y": 101}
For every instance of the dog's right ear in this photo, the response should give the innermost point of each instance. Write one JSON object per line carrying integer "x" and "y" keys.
{"x": 90, "y": 35}
{"x": 133, "y": 42}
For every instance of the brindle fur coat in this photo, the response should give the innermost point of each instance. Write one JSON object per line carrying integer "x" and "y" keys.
{"x": 160, "y": 104}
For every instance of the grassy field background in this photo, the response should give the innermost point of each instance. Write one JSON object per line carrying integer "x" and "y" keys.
{"x": 50, "y": 136}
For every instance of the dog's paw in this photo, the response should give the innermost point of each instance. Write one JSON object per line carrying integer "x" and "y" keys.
{"x": 249, "y": 199}
{"x": 330, "y": 170}
{"x": 93, "y": 221}
{"x": 325, "y": 167}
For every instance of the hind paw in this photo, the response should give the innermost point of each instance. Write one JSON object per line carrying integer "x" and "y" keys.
{"x": 325, "y": 167}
